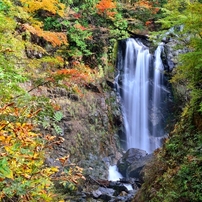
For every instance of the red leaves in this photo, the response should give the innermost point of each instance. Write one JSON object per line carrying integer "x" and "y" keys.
{"x": 74, "y": 74}
{"x": 148, "y": 23}
{"x": 80, "y": 74}
{"x": 77, "y": 15}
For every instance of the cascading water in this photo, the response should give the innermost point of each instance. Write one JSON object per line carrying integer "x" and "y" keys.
{"x": 143, "y": 97}
{"x": 139, "y": 83}
{"x": 157, "y": 98}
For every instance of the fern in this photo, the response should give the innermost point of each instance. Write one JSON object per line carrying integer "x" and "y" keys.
{"x": 58, "y": 116}
{"x": 58, "y": 129}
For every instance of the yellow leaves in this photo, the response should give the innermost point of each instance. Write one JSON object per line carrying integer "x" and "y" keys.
{"x": 22, "y": 157}
{"x": 3, "y": 124}
{"x": 16, "y": 112}
{"x": 52, "y": 6}
{"x": 55, "y": 38}
{"x": 26, "y": 175}
{"x": 54, "y": 169}
{"x": 73, "y": 175}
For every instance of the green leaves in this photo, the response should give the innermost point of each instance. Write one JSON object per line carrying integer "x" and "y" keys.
{"x": 179, "y": 161}
{"x": 5, "y": 171}
{"x": 4, "y": 5}
{"x": 58, "y": 116}
{"x": 9, "y": 77}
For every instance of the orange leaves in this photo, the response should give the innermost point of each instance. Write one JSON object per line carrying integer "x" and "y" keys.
{"x": 145, "y": 4}
{"x": 155, "y": 10}
{"x": 63, "y": 160}
{"x": 106, "y": 7}
{"x": 80, "y": 74}
{"x": 17, "y": 113}
{"x": 74, "y": 76}
{"x": 66, "y": 71}
{"x": 55, "y": 38}
{"x": 148, "y": 23}
{"x": 73, "y": 175}
{"x": 148, "y": 5}
{"x": 52, "y": 6}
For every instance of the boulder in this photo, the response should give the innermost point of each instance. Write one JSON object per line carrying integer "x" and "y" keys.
{"x": 118, "y": 187}
{"x": 103, "y": 193}
{"x": 135, "y": 168}
{"x": 132, "y": 155}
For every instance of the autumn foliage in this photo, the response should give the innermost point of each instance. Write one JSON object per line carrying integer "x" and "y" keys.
{"x": 22, "y": 152}
{"x": 52, "y": 6}
{"x": 23, "y": 174}
{"x": 75, "y": 75}
{"x": 106, "y": 7}
{"x": 55, "y": 38}
{"x": 79, "y": 75}
{"x": 149, "y": 5}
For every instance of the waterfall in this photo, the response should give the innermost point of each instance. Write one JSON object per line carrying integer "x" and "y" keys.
{"x": 156, "y": 114}
{"x": 139, "y": 84}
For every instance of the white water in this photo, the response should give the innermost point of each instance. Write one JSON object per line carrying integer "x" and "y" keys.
{"x": 114, "y": 175}
{"x": 136, "y": 92}
{"x": 157, "y": 89}
{"x": 136, "y": 95}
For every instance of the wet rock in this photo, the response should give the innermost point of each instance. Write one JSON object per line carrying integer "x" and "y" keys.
{"x": 118, "y": 187}
{"x": 134, "y": 170}
{"x": 103, "y": 193}
{"x": 132, "y": 155}
{"x": 122, "y": 137}
{"x": 110, "y": 83}
{"x": 97, "y": 193}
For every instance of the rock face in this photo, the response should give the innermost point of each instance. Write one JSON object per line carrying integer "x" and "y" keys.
{"x": 134, "y": 170}
{"x": 129, "y": 158}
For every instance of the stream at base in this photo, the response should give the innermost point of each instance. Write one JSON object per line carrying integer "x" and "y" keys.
{"x": 114, "y": 175}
